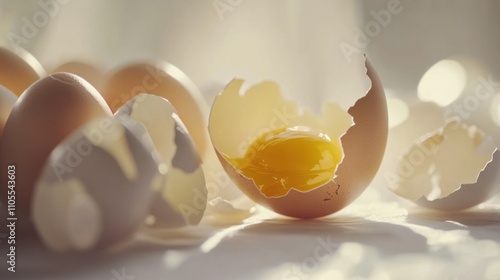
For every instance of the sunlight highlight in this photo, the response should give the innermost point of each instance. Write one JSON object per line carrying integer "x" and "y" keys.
{"x": 443, "y": 83}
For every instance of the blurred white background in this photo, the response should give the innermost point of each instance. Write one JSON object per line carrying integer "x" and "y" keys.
{"x": 296, "y": 43}
{"x": 286, "y": 40}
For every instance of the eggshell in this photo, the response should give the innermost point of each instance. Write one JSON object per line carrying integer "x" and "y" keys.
{"x": 165, "y": 80}
{"x": 181, "y": 198}
{"x": 420, "y": 136}
{"x": 87, "y": 71}
{"x": 223, "y": 212}
{"x": 363, "y": 142}
{"x": 451, "y": 168}
{"x": 43, "y": 116}
{"x": 7, "y": 101}
{"x": 469, "y": 195}
{"x": 226, "y": 202}
{"x": 95, "y": 190}
{"x": 18, "y": 70}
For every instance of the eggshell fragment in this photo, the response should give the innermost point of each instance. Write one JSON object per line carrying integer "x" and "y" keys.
{"x": 221, "y": 211}
{"x": 470, "y": 195}
{"x": 181, "y": 197}
{"x": 7, "y": 101}
{"x": 412, "y": 140}
{"x": 236, "y": 119}
{"x": 226, "y": 202}
{"x": 442, "y": 167}
{"x": 18, "y": 70}
{"x": 43, "y": 116}
{"x": 165, "y": 80}
{"x": 96, "y": 188}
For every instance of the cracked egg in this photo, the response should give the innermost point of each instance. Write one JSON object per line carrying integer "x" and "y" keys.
{"x": 293, "y": 161}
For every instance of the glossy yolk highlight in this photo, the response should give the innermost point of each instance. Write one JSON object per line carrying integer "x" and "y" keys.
{"x": 289, "y": 158}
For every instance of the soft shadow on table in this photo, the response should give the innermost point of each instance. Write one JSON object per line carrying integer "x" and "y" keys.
{"x": 482, "y": 223}
{"x": 377, "y": 234}
{"x": 265, "y": 244}
{"x": 470, "y": 217}
{"x": 35, "y": 261}
{"x": 276, "y": 242}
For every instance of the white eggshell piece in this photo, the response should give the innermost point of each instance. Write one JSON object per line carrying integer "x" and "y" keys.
{"x": 181, "y": 196}
{"x": 221, "y": 211}
{"x": 470, "y": 195}
{"x": 95, "y": 190}
{"x": 225, "y": 200}
{"x": 155, "y": 113}
{"x": 60, "y": 208}
{"x": 439, "y": 164}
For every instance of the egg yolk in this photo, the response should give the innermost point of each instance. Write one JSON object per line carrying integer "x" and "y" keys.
{"x": 286, "y": 158}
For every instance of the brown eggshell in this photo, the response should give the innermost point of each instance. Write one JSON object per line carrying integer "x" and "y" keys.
{"x": 43, "y": 116}
{"x": 164, "y": 80}
{"x": 7, "y": 101}
{"x": 18, "y": 70}
{"x": 90, "y": 73}
{"x": 363, "y": 144}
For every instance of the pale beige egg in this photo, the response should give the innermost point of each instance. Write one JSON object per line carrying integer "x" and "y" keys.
{"x": 165, "y": 80}
{"x": 18, "y": 70}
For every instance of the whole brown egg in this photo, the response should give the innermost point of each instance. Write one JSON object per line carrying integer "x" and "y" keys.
{"x": 89, "y": 72}
{"x": 164, "y": 80}
{"x": 47, "y": 112}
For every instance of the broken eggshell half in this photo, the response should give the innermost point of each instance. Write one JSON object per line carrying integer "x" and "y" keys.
{"x": 181, "y": 197}
{"x": 440, "y": 164}
{"x": 357, "y": 120}
{"x": 95, "y": 189}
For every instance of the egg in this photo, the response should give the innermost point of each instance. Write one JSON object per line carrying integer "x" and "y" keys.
{"x": 165, "y": 80}
{"x": 96, "y": 187}
{"x": 18, "y": 70}
{"x": 46, "y": 113}
{"x": 292, "y": 161}
{"x": 181, "y": 198}
{"x": 440, "y": 163}
{"x": 87, "y": 71}
{"x": 7, "y": 101}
